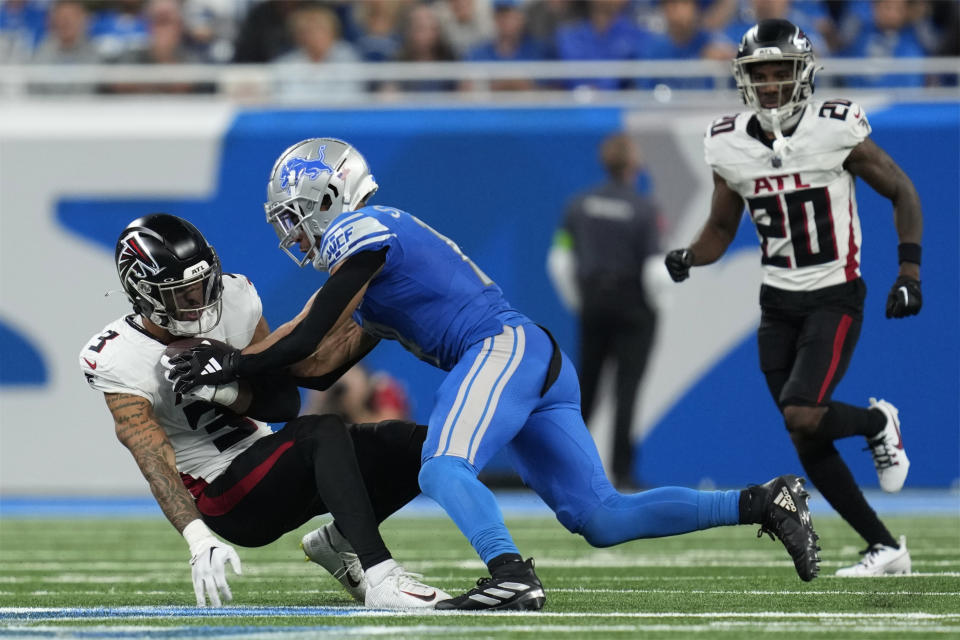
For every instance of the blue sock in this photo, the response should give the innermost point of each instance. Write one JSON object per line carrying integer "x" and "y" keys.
{"x": 452, "y": 483}
{"x": 660, "y": 512}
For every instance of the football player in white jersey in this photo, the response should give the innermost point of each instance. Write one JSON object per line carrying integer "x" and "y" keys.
{"x": 212, "y": 463}
{"x": 792, "y": 164}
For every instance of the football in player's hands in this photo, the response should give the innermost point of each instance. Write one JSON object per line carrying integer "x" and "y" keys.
{"x": 191, "y": 362}
{"x": 180, "y": 350}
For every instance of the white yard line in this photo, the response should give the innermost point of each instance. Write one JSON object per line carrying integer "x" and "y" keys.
{"x": 62, "y": 613}
{"x": 542, "y": 630}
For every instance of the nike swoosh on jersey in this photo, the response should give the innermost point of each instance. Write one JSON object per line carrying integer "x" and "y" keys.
{"x": 92, "y": 365}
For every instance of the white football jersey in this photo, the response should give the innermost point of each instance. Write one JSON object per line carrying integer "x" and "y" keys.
{"x": 803, "y": 203}
{"x": 125, "y": 358}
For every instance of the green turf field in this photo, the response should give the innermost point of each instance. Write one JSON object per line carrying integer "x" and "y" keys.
{"x": 124, "y": 578}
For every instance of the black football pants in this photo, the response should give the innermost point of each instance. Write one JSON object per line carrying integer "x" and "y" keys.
{"x": 360, "y": 474}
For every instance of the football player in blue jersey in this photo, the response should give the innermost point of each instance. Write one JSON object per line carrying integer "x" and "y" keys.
{"x": 509, "y": 385}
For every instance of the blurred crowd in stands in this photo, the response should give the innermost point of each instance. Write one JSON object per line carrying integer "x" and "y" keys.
{"x": 285, "y": 32}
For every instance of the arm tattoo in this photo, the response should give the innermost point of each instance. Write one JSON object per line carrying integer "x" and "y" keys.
{"x": 138, "y": 430}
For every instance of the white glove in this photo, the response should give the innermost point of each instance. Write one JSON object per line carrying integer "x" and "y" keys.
{"x": 209, "y": 559}
{"x": 222, "y": 394}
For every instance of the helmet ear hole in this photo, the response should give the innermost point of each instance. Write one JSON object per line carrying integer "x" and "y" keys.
{"x": 142, "y": 307}
{"x": 326, "y": 202}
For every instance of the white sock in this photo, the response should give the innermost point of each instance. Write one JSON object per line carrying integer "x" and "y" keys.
{"x": 378, "y": 572}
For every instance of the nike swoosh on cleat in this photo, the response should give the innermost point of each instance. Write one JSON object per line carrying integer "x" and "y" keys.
{"x": 421, "y": 597}
{"x": 899, "y": 437}
{"x": 355, "y": 583}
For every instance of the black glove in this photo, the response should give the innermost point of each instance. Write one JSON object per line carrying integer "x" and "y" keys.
{"x": 204, "y": 364}
{"x": 678, "y": 264}
{"x": 904, "y": 298}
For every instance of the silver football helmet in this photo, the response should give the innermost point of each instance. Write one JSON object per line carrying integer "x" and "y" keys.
{"x": 776, "y": 41}
{"x": 312, "y": 183}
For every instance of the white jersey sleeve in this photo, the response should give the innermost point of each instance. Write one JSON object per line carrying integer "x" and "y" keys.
{"x": 125, "y": 358}
{"x": 802, "y": 203}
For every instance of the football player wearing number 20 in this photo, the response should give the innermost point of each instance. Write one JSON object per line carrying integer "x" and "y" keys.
{"x": 211, "y": 461}
{"x": 793, "y": 163}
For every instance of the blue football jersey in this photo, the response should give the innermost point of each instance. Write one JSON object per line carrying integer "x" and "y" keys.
{"x": 429, "y": 296}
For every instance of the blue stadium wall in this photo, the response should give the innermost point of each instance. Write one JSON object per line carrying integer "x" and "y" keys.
{"x": 496, "y": 180}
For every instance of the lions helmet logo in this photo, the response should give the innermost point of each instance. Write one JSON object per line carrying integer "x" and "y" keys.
{"x": 134, "y": 258}
{"x": 295, "y": 168}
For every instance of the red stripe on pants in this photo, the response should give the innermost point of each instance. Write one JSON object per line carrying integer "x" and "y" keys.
{"x": 228, "y": 499}
{"x": 838, "y": 339}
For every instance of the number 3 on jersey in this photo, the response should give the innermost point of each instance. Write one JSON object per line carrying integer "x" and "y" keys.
{"x": 212, "y": 419}
{"x": 805, "y": 211}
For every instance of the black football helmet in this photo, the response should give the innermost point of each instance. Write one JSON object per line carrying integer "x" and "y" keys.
{"x": 776, "y": 41}
{"x": 170, "y": 273}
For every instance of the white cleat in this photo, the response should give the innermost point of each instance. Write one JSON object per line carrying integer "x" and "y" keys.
{"x": 880, "y": 560}
{"x": 342, "y": 563}
{"x": 887, "y": 448}
{"x": 402, "y": 590}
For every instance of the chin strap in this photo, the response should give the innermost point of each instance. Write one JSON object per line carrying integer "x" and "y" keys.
{"x": 781, "y": 145}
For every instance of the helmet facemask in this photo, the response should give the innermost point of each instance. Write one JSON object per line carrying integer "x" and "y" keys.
{"x": 187, "y": 306}
{"x": 299, "y": 223}
{"x": 793, "y": 92}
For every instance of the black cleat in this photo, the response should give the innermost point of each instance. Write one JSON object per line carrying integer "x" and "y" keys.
{"x": 786, "y": 515}
{"x": 522, "y": 592}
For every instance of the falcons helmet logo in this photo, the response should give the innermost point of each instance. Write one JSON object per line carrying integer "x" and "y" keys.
{"x": 134, "y": 258}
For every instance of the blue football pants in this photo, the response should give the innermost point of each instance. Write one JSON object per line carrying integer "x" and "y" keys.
{"x": 491, "y": 401}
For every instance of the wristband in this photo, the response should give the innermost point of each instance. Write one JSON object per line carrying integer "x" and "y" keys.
{"x": 196, "y": 532}
{"x": 908, "y": 252}
{"x": 226, "y": 394}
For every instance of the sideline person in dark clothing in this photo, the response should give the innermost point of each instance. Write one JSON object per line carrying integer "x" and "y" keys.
{"x": 596, "y": 264}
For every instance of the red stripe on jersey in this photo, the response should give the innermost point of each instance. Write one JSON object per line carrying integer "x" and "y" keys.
{"x": 850, "y": 269}
{"x": 838, "y": 339}
{"x": 228, "y": 499}
{"x": 194, "y": 485}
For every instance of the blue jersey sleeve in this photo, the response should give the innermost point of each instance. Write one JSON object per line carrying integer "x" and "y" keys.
{"x": 350, "y": 233}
